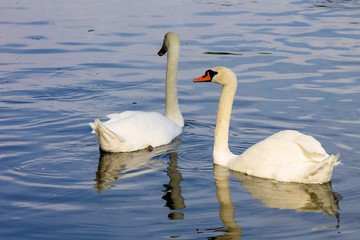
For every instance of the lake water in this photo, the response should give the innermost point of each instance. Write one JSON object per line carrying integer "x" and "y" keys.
{"x": 65, "y": 63}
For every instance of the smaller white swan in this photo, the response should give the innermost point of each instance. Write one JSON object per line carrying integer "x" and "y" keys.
{"x": 134, "y": 130}
{"x": 287, "y": 156}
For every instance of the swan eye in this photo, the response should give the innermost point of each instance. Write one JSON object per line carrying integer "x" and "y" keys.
{"x": 206, "y": 74}
{"x": 211, "y": 73}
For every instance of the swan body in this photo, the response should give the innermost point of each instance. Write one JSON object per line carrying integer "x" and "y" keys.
{"x": 287, "y": 156}
{"x": 134, "y": 130}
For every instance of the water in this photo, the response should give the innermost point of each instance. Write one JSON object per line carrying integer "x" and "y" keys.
{"x": 66, "y": 63}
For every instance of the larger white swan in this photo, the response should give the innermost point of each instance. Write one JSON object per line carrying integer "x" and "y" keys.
{"x": 287, "y": 156}
{"x": 134, "y": 130}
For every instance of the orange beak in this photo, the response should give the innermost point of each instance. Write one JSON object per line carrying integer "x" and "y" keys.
{"x": 205, "y": 78}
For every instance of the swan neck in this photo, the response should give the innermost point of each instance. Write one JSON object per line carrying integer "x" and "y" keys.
{"x": 222, "y": 153}
{"x": 172, "y": 109}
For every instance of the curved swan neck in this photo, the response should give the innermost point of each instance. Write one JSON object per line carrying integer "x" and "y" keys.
{"x": 222, "y": 154}
{"x": 172, "y": 109}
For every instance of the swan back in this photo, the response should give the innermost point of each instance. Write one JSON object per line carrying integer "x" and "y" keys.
{"x": 309, "y": 143}
{"x": 287, "y": 156}
{"x": 133, "y": 130}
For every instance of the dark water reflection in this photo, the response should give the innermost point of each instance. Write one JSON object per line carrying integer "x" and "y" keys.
{"x": 113, "y": 166}
{"x": 299, "y": 197}
{"x": 345, "y": 4}
{"x": 174, "y": 199}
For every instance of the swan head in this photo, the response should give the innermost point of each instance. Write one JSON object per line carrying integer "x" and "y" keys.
{"x": 220, "y": 75}
{"x": 170, "y": 39}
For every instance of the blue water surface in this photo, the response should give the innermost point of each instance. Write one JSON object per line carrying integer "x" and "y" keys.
{"x": 65, "y": 63}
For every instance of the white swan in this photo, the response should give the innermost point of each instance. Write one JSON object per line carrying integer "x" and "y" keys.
{"x": 287, "y": 156}
{"x": 134, "y": 130}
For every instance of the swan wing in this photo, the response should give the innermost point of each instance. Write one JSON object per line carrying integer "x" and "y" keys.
{"x": 117, "y": 116}
{"x": 286, "y": 159}
{"x": 139, "y": 130}
{"x": 309, "y": 143}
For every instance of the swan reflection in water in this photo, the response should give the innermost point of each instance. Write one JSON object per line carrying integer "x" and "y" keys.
{"x": 113, "y": 166}
{"x": 296, "y": 196}
{"x": 174, "y": 199}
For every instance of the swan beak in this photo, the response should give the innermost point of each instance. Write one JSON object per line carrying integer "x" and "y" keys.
{"x": 205, "y": 78}
{"x": 162, "y": 50}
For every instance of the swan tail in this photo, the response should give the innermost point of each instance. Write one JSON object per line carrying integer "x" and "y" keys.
{"x": 336, "y": 157}
{"x": 93, "y": 127}
{"x": 323, "y": 171}
{"x": 108, "y": 140}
